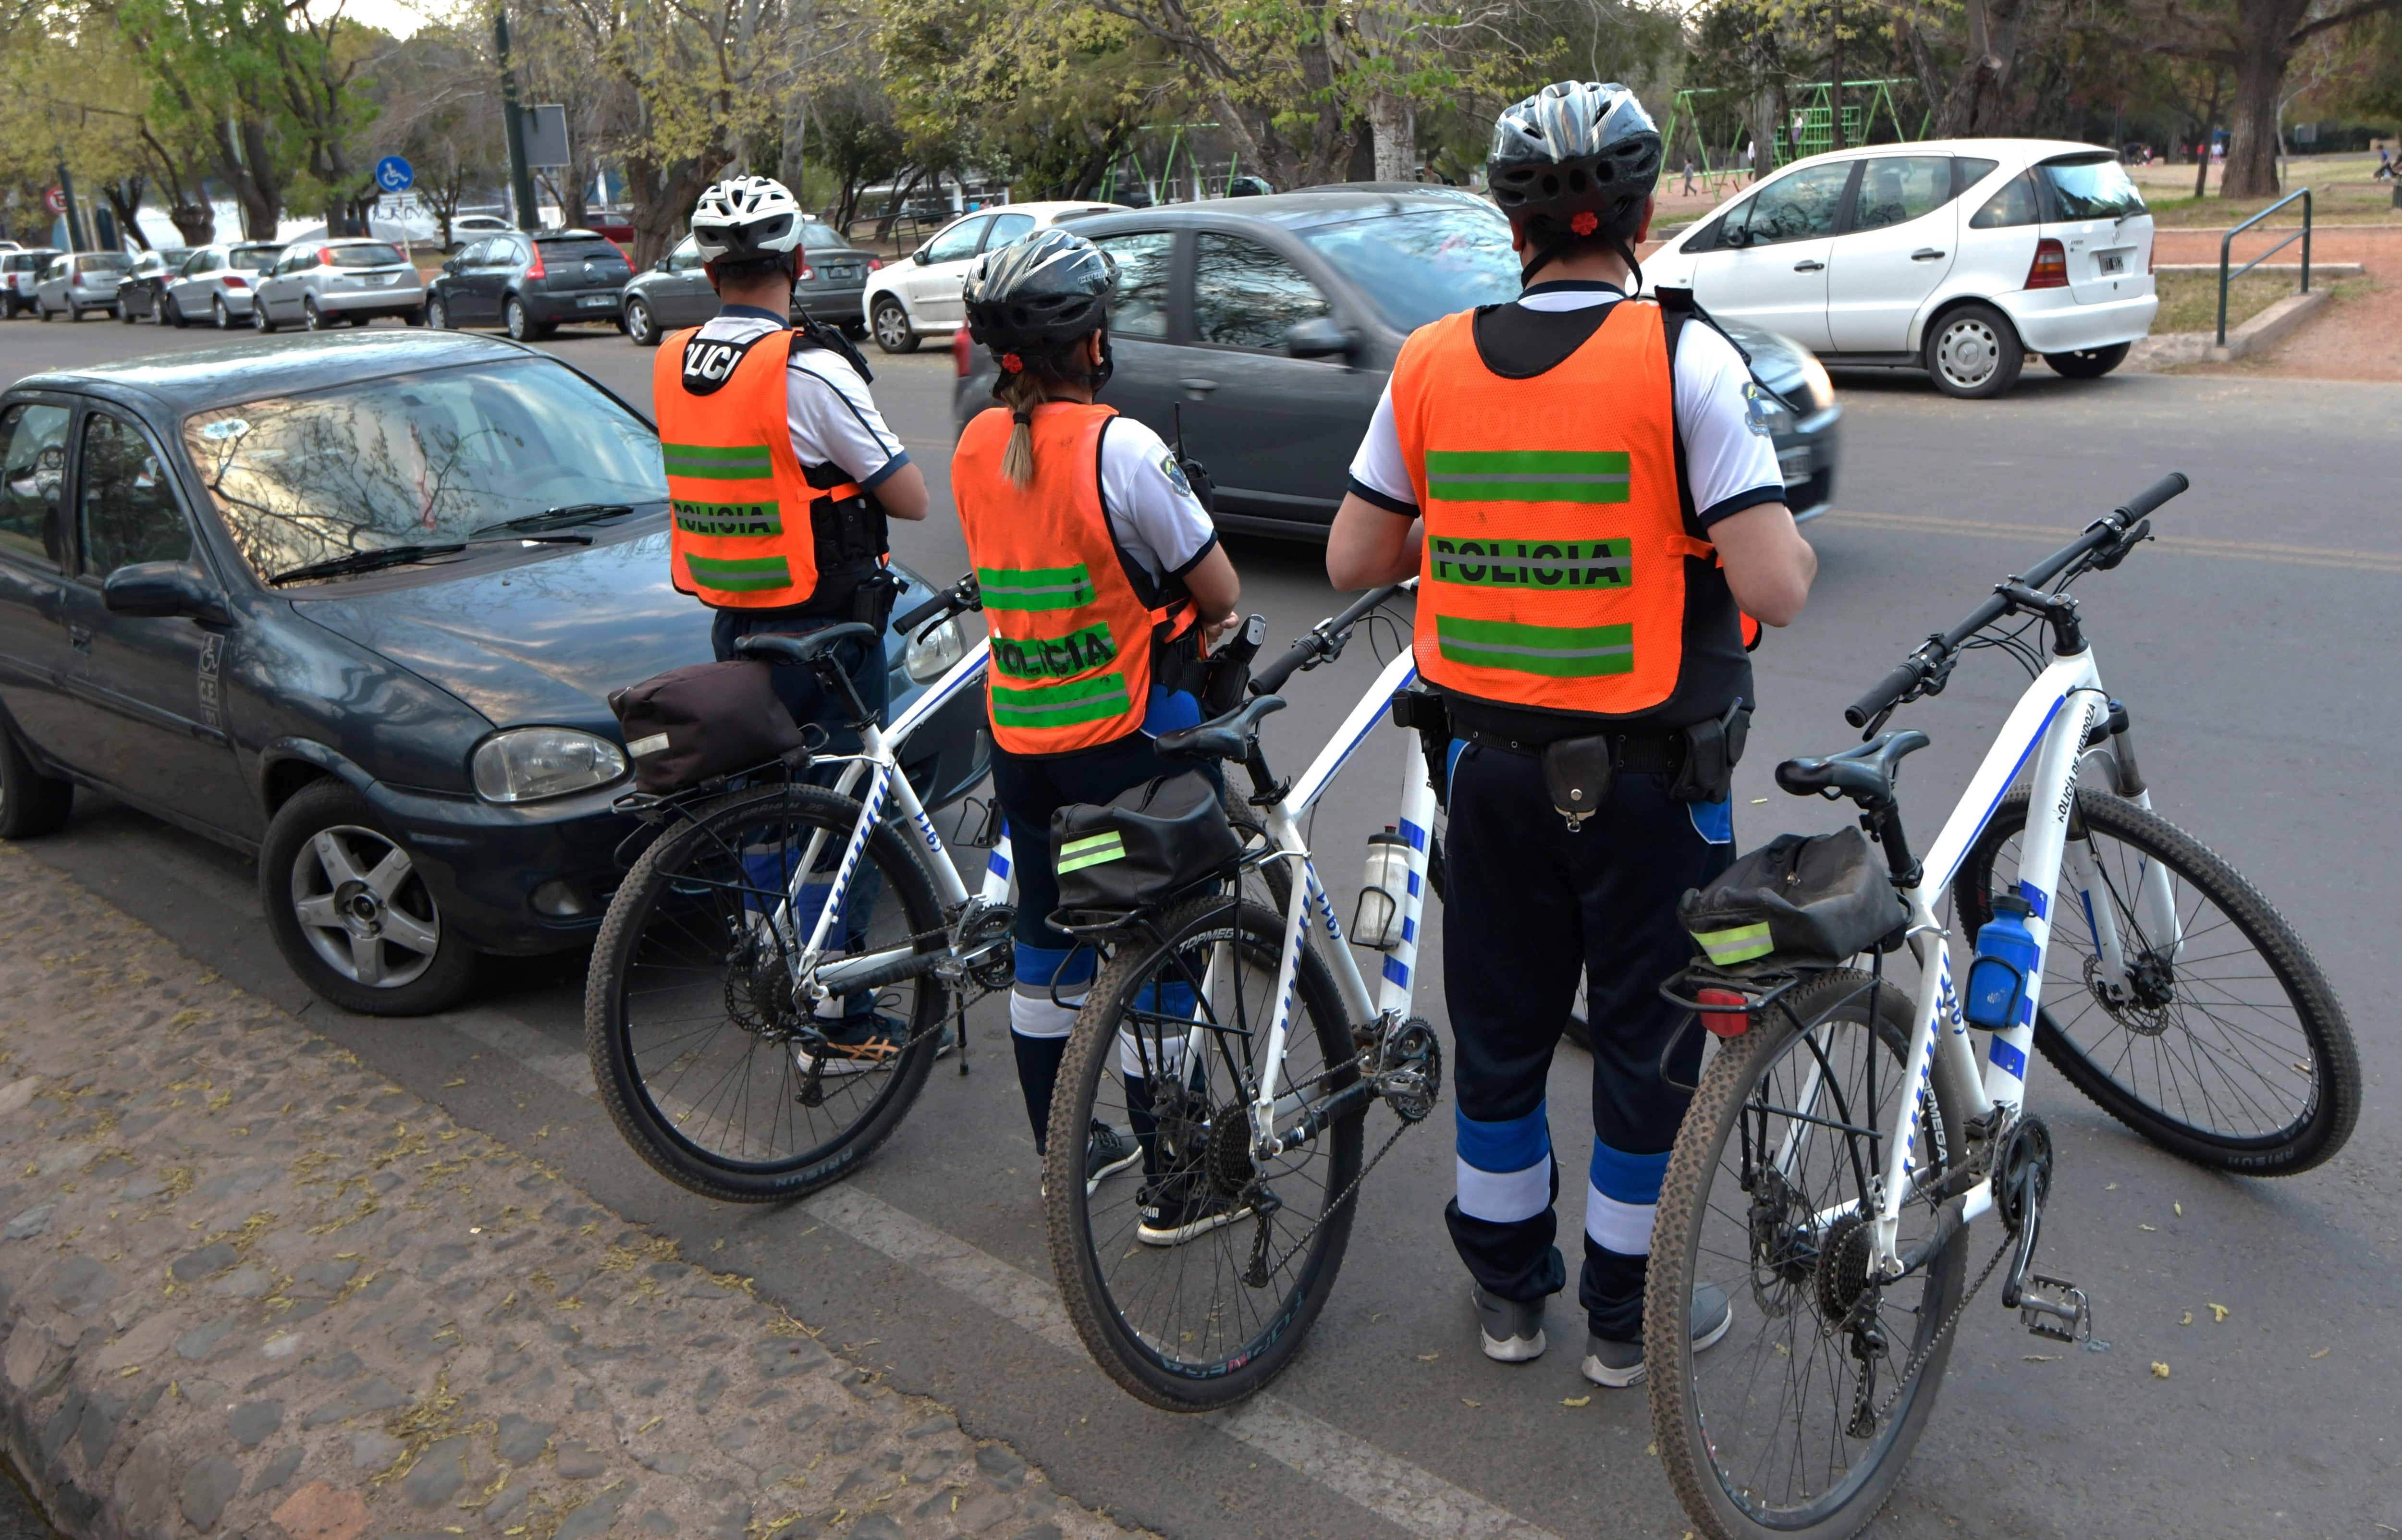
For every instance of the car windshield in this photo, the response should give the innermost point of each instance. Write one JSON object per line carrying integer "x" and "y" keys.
{"x": 380, "y": 254}
{"x": 1414, "y": 267}
{"x": 417, "y": 459}
{"x": 821, "y": 238}
{"x": 2093, "y": 189}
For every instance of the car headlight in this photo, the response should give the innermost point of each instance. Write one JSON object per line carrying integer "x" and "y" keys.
{"x": 529, "y": 763}
{"x": 1815, "y": 380}
{"x": 931, "y": 656}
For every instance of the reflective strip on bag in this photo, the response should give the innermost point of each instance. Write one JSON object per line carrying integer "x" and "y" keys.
{"x": 746, "y": 576}
{"x": 1507, "y": 563}
{"x": 1528, "y": 475}
{"x": 724, "y": 519}
{"x": 1092, "y": 850}
{"x": 1061, "y": 705}
{"x": 1558, "y": 652}
{"x": 1739, "y": 944}
{"x": 1035, "y": 587}
{"x": 720, "y": 462}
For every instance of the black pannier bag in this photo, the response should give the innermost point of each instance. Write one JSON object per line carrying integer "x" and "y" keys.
{"x": 1141, "y": 848}
{"x": 708, "y": 719}
{"x": 1796, "y": 900}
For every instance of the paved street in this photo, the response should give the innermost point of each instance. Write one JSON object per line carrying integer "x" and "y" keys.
{"x": 2247, "y": 645}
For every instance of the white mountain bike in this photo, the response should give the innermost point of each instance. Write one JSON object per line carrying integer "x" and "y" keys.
{"x": 1851, "y": 1130}
{"x": 1246, "y": 1053}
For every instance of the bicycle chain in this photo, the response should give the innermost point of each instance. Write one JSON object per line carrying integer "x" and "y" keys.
{"x": 1336, "y": 1207}
{"x": 1918, "y": 1359}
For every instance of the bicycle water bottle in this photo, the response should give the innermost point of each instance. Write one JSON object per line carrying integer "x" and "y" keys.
{"x": 1377, "y": 920}
{"x": 2005, "y": 957}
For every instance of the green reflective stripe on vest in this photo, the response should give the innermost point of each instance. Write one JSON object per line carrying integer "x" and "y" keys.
{"x": 1092, "y": 850}
{"x": 1740, "y": 945}
{"x": 1035, "y": 587}
{"x": 1062, "y": 705}
{"x": 1527, "y": 475}
{"x": 1054, "y": 657}
{"x": 745, "y": 576}
{"x": 720, "y": 462}
{"x": 729, "y": 518}
{"x": 1560, "y": 651}
{"x": 1508, "y": 563}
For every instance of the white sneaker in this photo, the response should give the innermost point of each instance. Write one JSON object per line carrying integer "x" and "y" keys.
{"x": 1510, "y": 1331}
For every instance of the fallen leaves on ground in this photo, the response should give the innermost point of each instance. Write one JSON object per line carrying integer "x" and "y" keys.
{"x": 1575, "y": 1402}
{"x": 2322, "y": 1353}
{"x": 2159, "y": 1371}
{"x": 2040, "y": 1358}
{"x": 2219, "y": 1312}
{"x": 2188, "y": 1319}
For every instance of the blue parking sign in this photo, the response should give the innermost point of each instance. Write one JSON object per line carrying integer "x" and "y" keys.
{"x": 394, "y": 174}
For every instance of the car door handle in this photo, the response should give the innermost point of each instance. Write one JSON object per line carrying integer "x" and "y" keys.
{"x": 79, "y": 637}
{"x": 1809, "y": 266}
{"x": 1198, "y": 387}
{"x": 1926, "y": 253}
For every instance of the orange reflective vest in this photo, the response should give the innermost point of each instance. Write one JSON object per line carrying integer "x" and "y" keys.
{"x": 1072, "y": 641}
{"x": 754, "y": 529}
{"x": 1561, "y": 571}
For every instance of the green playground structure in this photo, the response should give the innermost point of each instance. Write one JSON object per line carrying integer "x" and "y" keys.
{"x": 1810, "y": 130}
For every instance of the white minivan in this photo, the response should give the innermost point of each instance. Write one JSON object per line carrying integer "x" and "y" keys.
{"x": 1958, "y": 257}
{"x": 919, "y": 296}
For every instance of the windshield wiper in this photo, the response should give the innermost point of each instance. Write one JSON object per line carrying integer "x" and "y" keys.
{"x": 556, "y": 518}
{"x": 368, "y": 561}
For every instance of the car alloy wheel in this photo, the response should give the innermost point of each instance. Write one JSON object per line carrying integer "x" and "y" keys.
{"x": 363, "y": 908}
{"x": 258, "y": 321}
{"x": 892, "y": 326}
{"x": 640, "y": 329}
{"x": 437, "y": 314}
{"x": 218, "y": 314}
{"x": 521, "y": 324}
{"x": 311, "y": 316}
{"x": 125, "y": 314}
{"x": 41, "y": 310}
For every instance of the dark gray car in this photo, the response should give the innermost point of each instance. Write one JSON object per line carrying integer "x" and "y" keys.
{"x": 1271, "y": 324}
{"x": 676, "y": 293}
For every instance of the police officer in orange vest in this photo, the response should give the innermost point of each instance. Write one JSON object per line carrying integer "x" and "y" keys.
{"x": 1102, "y": 576}
{"x": 780, "y": 475}
{"x": 1584, "y": 486}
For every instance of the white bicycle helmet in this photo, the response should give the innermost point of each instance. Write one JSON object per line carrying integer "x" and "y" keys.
{"x": 743, "y": 218}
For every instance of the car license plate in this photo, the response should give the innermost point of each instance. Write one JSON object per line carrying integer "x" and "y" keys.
{"x": 2110, "y": 262}
{"x": 593, "y": 301}
{"x": 1794, "y": 464}
{"x": 842, "y": 275}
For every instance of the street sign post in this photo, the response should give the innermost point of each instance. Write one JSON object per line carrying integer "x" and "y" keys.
{"x": 394, "y": 174}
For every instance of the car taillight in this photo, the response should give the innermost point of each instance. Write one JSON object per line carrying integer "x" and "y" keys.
{"x": 804, "y": 274}
{"x": 235, "y": 280}
{"x": 962, "y": 351}
{"x": 874, "y": 263}
{"x": 1724, "y": 1024}
{"x": 2050, "y": 269}
{"x": 535, "y": 269}
{"x": 621, "y": 253}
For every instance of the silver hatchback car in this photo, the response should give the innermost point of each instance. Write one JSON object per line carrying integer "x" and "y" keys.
{"x": 322, "y": 283}
{"x": 80, "y": 281}
{"x": 217, "y": 281}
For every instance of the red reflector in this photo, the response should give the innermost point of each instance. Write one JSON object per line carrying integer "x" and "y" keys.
{"x": 962, "y": 352}
{"x": 2050, "y": 269}
{"x": 1723, "y": 1023}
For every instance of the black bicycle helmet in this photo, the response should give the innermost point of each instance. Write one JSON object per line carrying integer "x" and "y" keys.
{"x": 1577, "y": 158}
{"x": 1029, "y": 301}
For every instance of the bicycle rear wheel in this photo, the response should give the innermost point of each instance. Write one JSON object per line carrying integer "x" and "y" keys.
{"x": 1799, "y": 1422}
{"x": 1193, "y": 1279}
{"x": 2226, "y": 1047}
{"x": 714, "y": 1067}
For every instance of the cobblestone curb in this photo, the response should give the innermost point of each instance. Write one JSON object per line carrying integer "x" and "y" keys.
{"x": 248, "y": 1288}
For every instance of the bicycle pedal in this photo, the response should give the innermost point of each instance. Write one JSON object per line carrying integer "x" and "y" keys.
{"x": 2055, "y": 1308}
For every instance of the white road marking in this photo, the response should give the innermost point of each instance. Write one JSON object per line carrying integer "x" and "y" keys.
{"x": 1411, "y": 1498}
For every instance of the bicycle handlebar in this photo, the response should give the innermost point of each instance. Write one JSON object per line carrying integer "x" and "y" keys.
{"x": 2120, "y": 530}
{"x": 1325, "y": 640}
{"x": 947, "y": 602}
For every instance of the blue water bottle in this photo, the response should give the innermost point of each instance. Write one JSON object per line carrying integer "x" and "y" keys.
{"x": 2006, "y": 956}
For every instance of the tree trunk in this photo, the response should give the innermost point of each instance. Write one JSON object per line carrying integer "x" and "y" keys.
{"x": 1393, "y": 127}
{"x": 663, "y": 195}
{"x": 125, "y": 203}
{"x": 2262, "y": 53}
{"x": 196, "y": 223}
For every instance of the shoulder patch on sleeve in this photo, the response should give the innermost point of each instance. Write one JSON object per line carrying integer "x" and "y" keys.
{"x": 1174, "y": 473}
{"x": 1756, "y": 405}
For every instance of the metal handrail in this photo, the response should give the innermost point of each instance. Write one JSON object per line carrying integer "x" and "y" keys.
{"x": 2227, "y": 242}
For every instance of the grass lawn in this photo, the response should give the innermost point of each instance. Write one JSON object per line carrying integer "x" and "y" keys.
{"x": 2189, "y": 301}
{"x": 2342, "y": 189}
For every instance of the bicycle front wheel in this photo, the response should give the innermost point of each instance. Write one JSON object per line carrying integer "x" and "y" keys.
{"x": 2217, "y": 1039}
{"x": 716, "y": 1065}
{"x": 1193, "y": 1276}
{"x": 1797, "y": 1424}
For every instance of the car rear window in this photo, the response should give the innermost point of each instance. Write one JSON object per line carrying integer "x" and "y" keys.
{"x": 821, "y": 238}
{"x": 417, "y": 459}
{"x": 254, "y": 260}
{"x": 1417, "y": 267}
{"x": 594, "y": 250}
{"x": 2092, "y": 187}
{"x": 377, "y": 256}
{"x": 103, "y": 262}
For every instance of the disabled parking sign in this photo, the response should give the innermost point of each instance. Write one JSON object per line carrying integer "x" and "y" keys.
{"x": 394, "y": 174}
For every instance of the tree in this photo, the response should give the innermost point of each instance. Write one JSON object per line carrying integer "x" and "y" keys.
{"x": 2255, "y": 41}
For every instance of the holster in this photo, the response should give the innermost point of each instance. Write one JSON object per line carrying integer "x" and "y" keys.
{"x": 873, "y": 603}
{"x": 1422, "y": 712}
{"x": 1578, "y": 773}
{"x": 1712, "y": 748}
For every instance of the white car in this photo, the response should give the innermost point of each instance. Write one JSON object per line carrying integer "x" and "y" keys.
{"x": 917, "y": 297}
{"x": 1958, "y": 257}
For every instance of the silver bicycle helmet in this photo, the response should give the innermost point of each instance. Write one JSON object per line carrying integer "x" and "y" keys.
{"x": 744, "y": 218}
{"x": 1575, "y": 160}
{"x": 1029, "y": 301}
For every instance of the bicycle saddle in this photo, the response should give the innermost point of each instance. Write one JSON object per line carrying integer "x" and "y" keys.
{"x": 1226, "y": 738}
{"x": 769, "y": 647}
{"x": 1865, "y": 773}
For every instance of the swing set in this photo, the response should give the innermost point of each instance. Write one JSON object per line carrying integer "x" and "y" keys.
{"x": 1810, "y": 131}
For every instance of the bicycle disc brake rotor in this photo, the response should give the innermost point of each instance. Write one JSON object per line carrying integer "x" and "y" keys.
{"x": 759, "y": 988}
{"x": 1782, "y": 1228}
{"x": 2144, "y": 1006}
{"x": 1843, "y": 1270}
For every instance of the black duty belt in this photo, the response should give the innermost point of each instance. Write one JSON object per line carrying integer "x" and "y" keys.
{"x": 1639, "y": 754}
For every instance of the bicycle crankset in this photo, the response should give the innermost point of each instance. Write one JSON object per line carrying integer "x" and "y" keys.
{"x": 1409, "y": 1073}
{"x": 986, "y": 946}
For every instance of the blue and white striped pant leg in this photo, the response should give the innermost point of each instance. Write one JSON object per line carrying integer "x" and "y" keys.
{"x": 1501, "y": 1217}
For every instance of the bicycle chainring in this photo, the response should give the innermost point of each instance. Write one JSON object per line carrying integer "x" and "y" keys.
{"x": 1409, "y": 1074}
{"x": 987, "y": 939}
{"x": 2027, "y": 1153}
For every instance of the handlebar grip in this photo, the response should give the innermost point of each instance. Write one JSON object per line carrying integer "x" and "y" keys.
{"x": 1270, "y": 680}
{"x": 2153, "y": 496}
{"x": 1888, "y": 690}
{"x": 923, "y": 612}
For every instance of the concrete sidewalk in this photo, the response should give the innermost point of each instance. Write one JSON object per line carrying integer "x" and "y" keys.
{"x": 248, "y": 1288}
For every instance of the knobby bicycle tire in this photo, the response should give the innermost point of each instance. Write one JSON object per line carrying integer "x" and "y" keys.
{"x": 1212, "y": 1378}
{"x": 2227, "y": 1037}
{"x": 673, "y": 904}
{"x": 1698, "y": 1196}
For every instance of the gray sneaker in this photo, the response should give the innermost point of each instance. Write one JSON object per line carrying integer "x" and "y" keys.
{"x": 1510, "y": 1330}
{"x": 1620, "y": 1365}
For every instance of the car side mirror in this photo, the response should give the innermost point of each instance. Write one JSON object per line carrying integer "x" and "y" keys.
{"x": 1321, "y": 336}
{"x": 919, "y": 257}
{"x": 163, "y": 589}
{"x": 660, "y": 266}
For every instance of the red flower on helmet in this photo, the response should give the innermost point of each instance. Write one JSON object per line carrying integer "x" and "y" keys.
{"x": 1013, "y": 364}
{"x": 1585, "y": 223}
